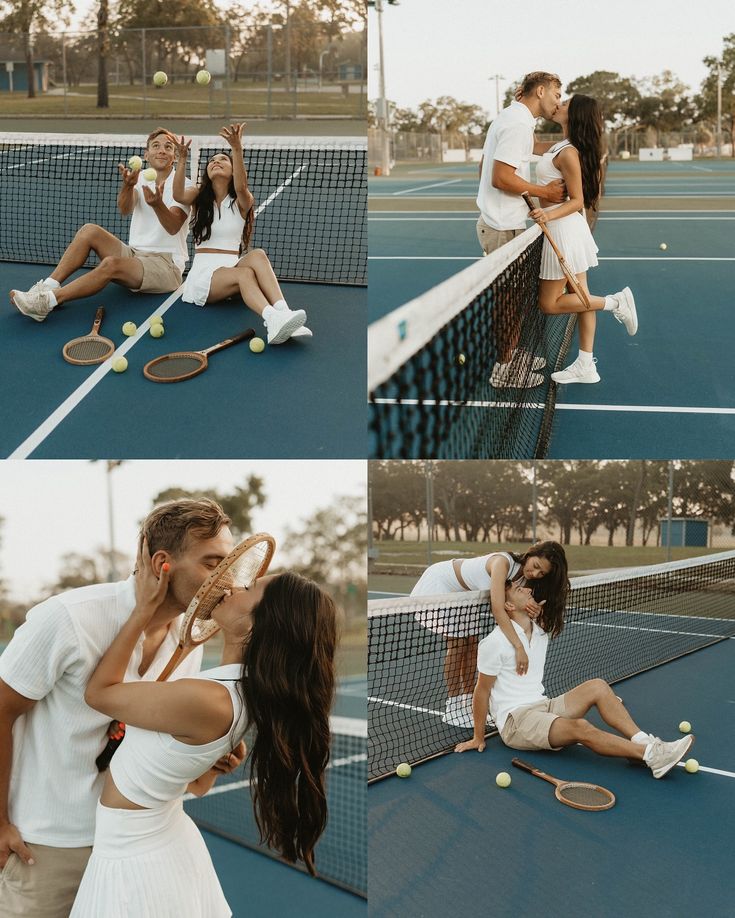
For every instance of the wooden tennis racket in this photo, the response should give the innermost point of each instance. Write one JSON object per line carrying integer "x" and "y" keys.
{"x": 91, "y": 348}
{"x": 573, "y": 282}
{"x": 182, "y": 365}
{"x": 577, "y": 794}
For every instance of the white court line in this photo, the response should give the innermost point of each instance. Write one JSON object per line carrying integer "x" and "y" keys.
{"x": 604, "y": 258}
{"x": 711, "y": 771}
{"x": 560, "y": 406}
{"x": 395, "y": 194}
{"x": 602, "y": 219}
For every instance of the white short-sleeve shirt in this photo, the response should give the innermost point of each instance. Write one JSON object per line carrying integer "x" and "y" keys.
{"x": 496, "y": 657}
{"x": 55, "y": 784}
{"x": 509, "y": 140}
{"x": 146, "y": 232}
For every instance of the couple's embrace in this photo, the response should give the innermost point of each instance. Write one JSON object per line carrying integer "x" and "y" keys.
{"x": 568, "y": 181}
{"x": 93, "y": 654}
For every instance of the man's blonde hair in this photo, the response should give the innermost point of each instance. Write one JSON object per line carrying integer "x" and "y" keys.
{"x": 533, "y": 80}
{"x": 172, "y": 525}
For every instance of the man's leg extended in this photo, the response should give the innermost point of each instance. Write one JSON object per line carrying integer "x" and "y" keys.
{"x": 122, "y": 270}
{"x": 89, "y": 238}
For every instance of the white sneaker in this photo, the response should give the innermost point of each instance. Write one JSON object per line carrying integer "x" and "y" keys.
{"x": 282, "y": 323}
{"x": 34, "y": 303}
{"x": 456, "y": 713}
{"x": 625, "y": 311}
{"x": 515, "y": 374}
{"x": 661, "y": 757}
{"x": 577, "y": 372}
{"x": 303, "y": 332}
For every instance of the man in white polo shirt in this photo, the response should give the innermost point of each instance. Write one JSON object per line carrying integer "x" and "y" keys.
{"x": 50, "y": 739}
{"x": 527, "y": 719}
{"x": 156, "y": 256}
{"x": 505, "y": 174}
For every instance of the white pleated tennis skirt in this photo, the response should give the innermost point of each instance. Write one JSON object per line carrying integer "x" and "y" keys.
{"x": 199, "y": 279}
{"x": 437, "y": 579}
{"x": 149, "y": 864}
{"x": 573, "y": 238}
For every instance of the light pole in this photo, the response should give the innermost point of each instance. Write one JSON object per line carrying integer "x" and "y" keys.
{"x": 383, "y": 114}
{"x": 719, "y": 108}
{"x": 321, "y": 58}
{"x": 497, "y": 77}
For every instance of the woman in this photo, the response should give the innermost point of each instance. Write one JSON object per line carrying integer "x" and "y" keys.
{"x": 222, "y": 224}
{"x": 577, "y": 160}
{"x": 148, "y": 859}
{"x": 544, "y": 565}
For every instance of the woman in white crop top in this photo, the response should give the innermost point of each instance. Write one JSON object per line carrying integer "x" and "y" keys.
{"x": 544, "y": 565}
{"x": 223, "y": 213}
{"x": 577, "y": 160}
{"x": 277, "y": 676}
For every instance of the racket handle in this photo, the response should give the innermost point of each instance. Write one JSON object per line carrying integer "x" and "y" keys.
{"x": 524, "y": 765}
{"x": 248, "y": 333}
{"x": 116, "y": 732}
{"x": 527, "y": 198}
{"x": 98, "y": 317}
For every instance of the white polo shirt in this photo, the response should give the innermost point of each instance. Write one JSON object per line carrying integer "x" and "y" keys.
{"x": 146, "y": 232}
{"x": 55, "y": 784}
{"x": 496, "y": 657}
{"x": 509, "y": 140}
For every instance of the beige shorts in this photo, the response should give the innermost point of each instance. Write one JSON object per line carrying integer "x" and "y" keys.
{"x": 45, "y": 890}
{"x": 160, "y": 274}
{"x": 491, "y": 239}
{"x": 528, "y": 727}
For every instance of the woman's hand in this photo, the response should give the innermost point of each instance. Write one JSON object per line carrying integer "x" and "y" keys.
{"x": 534, "y": 609}
{"x": 182, "y": 147}
{"x": 521, "y": 661}
{"x": 233, "y": 135}
{"x": 539, "y": 216}
{"x": 150, "y": 590}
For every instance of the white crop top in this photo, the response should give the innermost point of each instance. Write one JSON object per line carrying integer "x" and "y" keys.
{"x": 152, "y": 768}
{"x": 227, "y": 227}
{"x": 546, "y": 171}
{"x": 474, "y": 571}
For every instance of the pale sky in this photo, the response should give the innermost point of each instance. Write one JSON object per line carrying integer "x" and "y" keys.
{"x": 436, "y": 47}
{"x": 51, "y": 508}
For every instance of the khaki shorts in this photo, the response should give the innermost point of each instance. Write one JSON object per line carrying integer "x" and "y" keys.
{"x": 528, "y": 727}
{"x": 491, "y": 239}
{"x": 45, "y": 890}
{"x": 160, "y": 274}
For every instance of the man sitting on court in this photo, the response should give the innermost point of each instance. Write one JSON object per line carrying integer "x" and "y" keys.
{"x": 153, "y": 261}
{"x": 527, "y": 719}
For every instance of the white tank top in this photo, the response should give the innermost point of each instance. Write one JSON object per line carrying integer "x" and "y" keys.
{"x": 474, "y": 571}
{"x": 546, "y": 171}
{"x": 227, "y": 227}
{"x": 152, "y": 768}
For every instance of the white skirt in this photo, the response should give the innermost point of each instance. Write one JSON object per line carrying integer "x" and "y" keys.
{"x": 573, "y": 238}
{"x": 149, "y": 864}
{"x": 437, "y": 579}
{"x": 199, "y": 279}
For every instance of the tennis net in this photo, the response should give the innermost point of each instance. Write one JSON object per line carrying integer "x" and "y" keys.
{"x": 616, "y": 625}
{"x": 311, "y": 198}
{"x": 437, "y": 390}
{"x": 341, "y": 854}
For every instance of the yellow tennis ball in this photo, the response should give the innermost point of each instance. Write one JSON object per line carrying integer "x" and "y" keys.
{"x": 691, "y": 765}
{"x": 403, "y": 770}
{"x": 119, "y": 364}
{"x": 503, "y": 779}
{"x": 461, "y": 359}
{"x": 685, "y": 726}
{"x": 129, "y": 328}
{"x": 663, "y": 247}
{"x": 135, "y": 163}
{"x": 156, "y": 320}
{"x": 160, "y": 78}
{"x": 156, "y": 331}
{"x": 203, "y": 77}
{"x": 257, "y": 345}
{"x": 150, "y": 175}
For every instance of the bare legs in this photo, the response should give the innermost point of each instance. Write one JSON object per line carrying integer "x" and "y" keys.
{"x": 252, "y": 277}
{"x": 460, "y": 665}
{"x": 553, "y": 301}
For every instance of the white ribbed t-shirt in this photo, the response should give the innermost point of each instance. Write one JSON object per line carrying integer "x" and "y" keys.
{"x": 146, "y": 232}
{"x": 475, "y": 574}
{"x": 152, "y": 768}
{"x": 227, "y": 227}
{"x": 55, "y": 784}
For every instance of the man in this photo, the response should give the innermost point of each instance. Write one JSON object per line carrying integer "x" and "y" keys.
{"x": 505, "y": 172}
{"x": 527, "y": 719}
{"x": 156, "y": 256}
{"x": 49, "y": 737}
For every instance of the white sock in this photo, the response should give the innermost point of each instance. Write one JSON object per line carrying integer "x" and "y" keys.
{"x": 280, "y": 304}
{"x": 643, "y": 739}
{"x": 268, "y": 313}
{"x": 50, "y": 282}
{"x": 585, "y": 357}
{"x": 611, "y": 304}
{"x": 52, "y": 299}
{"x": 647, "y": 753}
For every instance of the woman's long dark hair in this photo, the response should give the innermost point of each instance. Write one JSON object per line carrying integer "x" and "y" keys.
{"x": 584, "y": 130}
{"x": 287, "y": 687}
{"x": 554, "y": 587}
{"x": 201, "y": 221}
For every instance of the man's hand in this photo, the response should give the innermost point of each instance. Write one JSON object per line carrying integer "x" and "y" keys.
{"x": 12, "y": 842}
{"x": 129, "y": 177}
{"x": 478, "y": 744}
{"x": 154, "y": 198}
{"x": 555, "y": 191}
{"x": 231, "y": 761}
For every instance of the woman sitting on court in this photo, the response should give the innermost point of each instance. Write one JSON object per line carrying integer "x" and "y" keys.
{"x": 544, "y": 566}
{"x": 277, "y": 677}
{"x": 577, "y": 160}
{"x": 222, "y": 224}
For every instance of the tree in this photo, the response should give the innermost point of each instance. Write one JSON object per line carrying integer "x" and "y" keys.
{"x": 25, "y": 17}
{"x": 79, "y": 570}
{"x": 706, "y": 101}
{"x": 103, "y": 50}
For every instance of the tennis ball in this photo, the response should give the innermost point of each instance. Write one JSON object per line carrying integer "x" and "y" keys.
{"x": 129, "y": 328}
{"x": 257, "y": 345}
{"x": 503, "y": 779}
{"x": 403, "y": 770}
{"x": 663, "y": 247}
{"x": 685, "y": 726}
{"x": 156, "y": 331}
{"x": 160, "y": 78}
{"x": 135, "y": 163}
{"x": 156, "y": 320}
{"x": 461, "y": 359}
{"x": 119, "y": 364}
{"x": 203, "y": 77}
{"x": 150, "y": 175}
{"x": 691, "y": 765}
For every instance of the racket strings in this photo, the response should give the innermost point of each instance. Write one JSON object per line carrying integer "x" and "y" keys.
{"x": 89, "y": 349}
{"x": 175, "y": 366}
{"x": 587, "y": 795}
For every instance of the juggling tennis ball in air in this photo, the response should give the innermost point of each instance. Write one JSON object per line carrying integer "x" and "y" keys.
{"x": 461, "y": 359}
{"x": 156, "y": 330}
{"x": 159, "y": 78}
{"x": 203, "y": 77}
{"x": 403, "y": 770}
{"x": 150, "y": 175}
{"x": 663, "y": 247}
{"x": 692, "y": 766}
{"x": 119, "y": 364}
{"x": 135, "y": 163}
{"x": 257, "y": 345}
{"x": 685, "y": 726}
{"x": 503, "y": 779}
{"x": 129, "y": 329}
